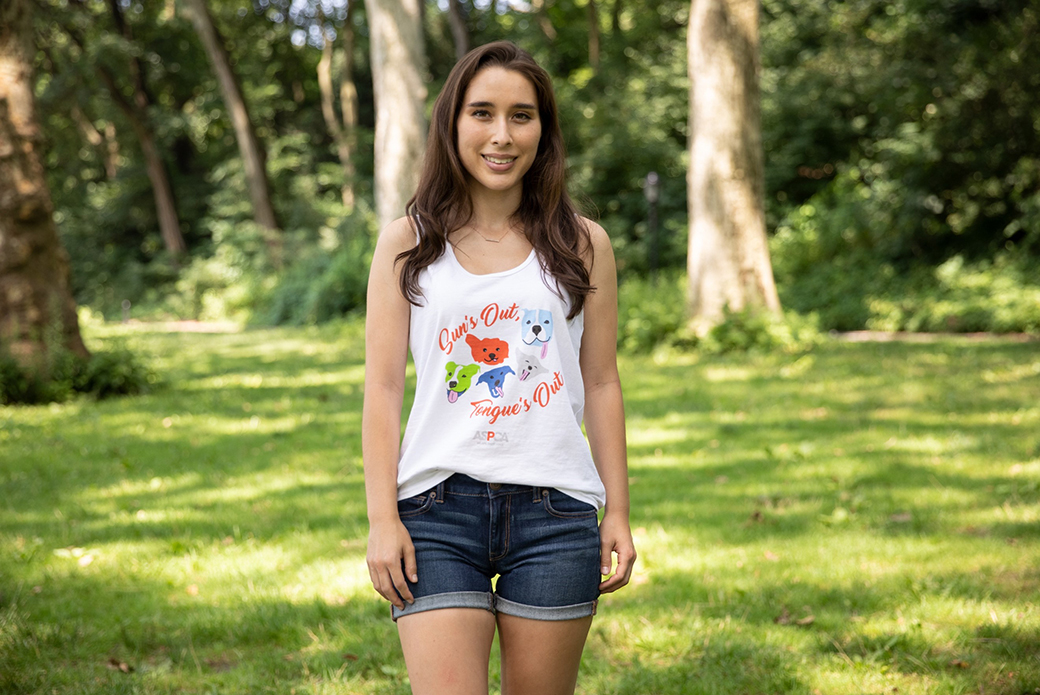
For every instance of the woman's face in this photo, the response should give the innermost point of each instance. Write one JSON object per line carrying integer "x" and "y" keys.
{"x": 498, "y": 129}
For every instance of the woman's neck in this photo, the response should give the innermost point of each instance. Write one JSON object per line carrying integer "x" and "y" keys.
{"x": 494, "y": 210}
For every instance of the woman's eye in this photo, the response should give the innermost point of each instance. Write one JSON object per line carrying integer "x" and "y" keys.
{"x": 523, "y": 116}
{"x": 481, "y": 113}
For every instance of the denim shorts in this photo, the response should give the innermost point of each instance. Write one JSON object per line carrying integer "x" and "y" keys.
{"x": 542, "y": 544}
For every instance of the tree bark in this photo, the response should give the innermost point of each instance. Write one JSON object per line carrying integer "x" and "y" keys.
{"x": 35, "y": 301}
{"x": 136, "y": 112}
{"x": 398, "y": 58}
{"x": 458, "y": 28}
{"x": 341, "y": 133}
{"x": 728, "y": 258}
{"x": 249, "y": 146}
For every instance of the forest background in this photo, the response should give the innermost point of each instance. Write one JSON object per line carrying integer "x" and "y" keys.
{"x": 902, "y": 186}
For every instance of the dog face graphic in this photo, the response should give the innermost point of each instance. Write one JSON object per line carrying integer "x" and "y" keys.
{"x": 459, "y": 379}
{"x": 495, "y": 379}
{"x": 536, "y": 328}
{"x": 529, "y": 366}
{"x": 491, "y": 351}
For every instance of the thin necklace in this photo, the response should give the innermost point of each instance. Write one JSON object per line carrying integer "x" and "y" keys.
{"x": 493, "y": 241}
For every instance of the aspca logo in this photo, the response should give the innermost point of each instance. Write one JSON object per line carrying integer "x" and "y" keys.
{"x": 489, "y": 437}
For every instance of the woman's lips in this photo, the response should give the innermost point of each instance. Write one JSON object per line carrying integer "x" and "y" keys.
{"x": 496, "y": 163}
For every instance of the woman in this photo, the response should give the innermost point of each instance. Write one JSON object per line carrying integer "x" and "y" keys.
{"x": 507, "y": 299}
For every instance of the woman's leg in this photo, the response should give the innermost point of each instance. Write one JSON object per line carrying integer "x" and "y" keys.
{"x": 540, "y": 657}
{"x": 447, "y": 650}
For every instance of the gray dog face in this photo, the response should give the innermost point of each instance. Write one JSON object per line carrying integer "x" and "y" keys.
{"x": 529, "y": 366}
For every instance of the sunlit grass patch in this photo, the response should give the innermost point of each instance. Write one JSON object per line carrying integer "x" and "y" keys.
{"x": 859, "y": 519}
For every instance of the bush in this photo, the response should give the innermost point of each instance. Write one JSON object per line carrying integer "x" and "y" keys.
{"x": 61, "y": 374}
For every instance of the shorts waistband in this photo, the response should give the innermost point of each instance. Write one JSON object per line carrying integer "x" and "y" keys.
{"x": 462, "y": 484}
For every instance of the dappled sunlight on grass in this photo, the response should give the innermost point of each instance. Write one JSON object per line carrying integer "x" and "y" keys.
{"x": 856, "y": 519}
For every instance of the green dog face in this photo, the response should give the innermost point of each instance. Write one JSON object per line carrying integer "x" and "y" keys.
{"x": 459, "y": 379}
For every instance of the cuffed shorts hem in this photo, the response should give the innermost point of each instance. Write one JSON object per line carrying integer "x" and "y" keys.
{"x": 453, "y": 599}
{"x": 522, "y": 610}
{"x": 494, "y": 604}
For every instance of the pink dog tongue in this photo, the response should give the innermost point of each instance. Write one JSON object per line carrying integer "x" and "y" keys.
{"x": 545, "y": 349}
{"x": 452, "y": 396}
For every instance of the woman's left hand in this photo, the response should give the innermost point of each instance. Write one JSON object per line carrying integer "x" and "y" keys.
{"x": 615, "y": 538}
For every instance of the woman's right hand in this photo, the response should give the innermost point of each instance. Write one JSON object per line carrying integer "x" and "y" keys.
{"x": 390, "y": 547}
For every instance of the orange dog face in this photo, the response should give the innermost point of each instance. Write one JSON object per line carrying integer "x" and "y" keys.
{"x": 488, "y": 350}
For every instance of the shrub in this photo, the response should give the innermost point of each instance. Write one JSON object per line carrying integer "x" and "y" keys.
{"x": 60, "y": 374}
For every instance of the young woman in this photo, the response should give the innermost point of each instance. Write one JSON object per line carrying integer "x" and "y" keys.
{"x": 507, "y": 299}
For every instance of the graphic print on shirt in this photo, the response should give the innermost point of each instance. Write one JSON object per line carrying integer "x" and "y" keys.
{"x": 483, "y": 334}
{"x": 459, "y": 378}
{"x": 529, "y": 366}
{"x": 490, "y": 351}
{"x": 495, "y": 380}
{"x": 536, "y": 328}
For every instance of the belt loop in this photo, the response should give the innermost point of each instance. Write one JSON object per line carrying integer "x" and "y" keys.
{"x": 536, "y": 494}
{"x": 440, "y": 492}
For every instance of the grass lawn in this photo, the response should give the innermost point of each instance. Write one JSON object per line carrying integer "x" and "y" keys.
{"x": 861, "y": 519}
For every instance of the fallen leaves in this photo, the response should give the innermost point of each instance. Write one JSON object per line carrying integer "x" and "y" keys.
{"x": 117, "y": 665}
{"x": 785, "y": 618}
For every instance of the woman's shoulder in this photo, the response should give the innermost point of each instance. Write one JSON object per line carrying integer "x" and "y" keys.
{"x": 400, "y": 235}
{"x": 598, "y": 238}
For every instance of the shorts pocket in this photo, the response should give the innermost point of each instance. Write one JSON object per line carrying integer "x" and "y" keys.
{"x": 414, "y": 506}
{"x": 566, "y": 507}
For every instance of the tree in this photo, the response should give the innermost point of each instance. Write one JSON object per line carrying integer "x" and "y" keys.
{"x": 728, "y": 258}
{"x": 35, "y": 302}
{"x": 249, "y": 146}
{"x": 345, "y": 134}
{"x": 398, "y": 56}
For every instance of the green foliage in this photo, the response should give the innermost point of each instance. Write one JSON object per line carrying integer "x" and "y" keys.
{"x": 761, "y": 331}
{"x": 59, "y": 375}
{"x": 652, "y": 312}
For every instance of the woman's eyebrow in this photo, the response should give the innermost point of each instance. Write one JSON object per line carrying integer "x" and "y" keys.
{"x": 486, "y": 104}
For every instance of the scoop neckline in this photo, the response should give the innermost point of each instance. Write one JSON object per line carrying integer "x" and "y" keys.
{"x": 499, "y": 273}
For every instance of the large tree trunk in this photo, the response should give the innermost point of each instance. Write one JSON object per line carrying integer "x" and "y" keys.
{"x": 728, "y": 256}
{"x": 35, "y": 301}
{"x": 248, "y": 145}
{"x": 400, "y": 94}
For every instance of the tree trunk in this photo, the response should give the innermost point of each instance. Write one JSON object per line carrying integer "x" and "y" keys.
{"x": 400, "y": 94}
{"x": 458, "y": 28}
{"x": 136, "y": 112}
{"x": 248, "y": 145}
{"x": 348, "y": 104}
{"x": 35, "y": 301}
{"x": 728, "y": 257}
{"x": 340, "y": 132}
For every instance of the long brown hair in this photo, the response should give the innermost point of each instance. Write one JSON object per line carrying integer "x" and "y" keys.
{"x": 441, "y": 203}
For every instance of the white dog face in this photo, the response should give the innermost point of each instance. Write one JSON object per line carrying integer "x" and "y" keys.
{"x": 529, "y": 366}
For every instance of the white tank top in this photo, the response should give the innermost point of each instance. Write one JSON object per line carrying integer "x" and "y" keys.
{"x": 499, "y": 395}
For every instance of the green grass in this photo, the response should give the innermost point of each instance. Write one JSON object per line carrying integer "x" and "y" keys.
{"x": 860, "y": 519}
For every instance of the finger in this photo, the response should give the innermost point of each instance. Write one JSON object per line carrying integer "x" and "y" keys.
{"x": 397, "y": 577}
{"x": 411, "y": 568}
{"x": 621, "y": 577}
{"x": 387, "y": 590}
{"x": 606, "y": 558}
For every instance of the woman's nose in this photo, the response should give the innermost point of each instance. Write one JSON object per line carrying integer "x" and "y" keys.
{"x": 501, "y": 136}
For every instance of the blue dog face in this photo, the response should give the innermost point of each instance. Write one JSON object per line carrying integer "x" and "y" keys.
{"x": 495, "y": 379}
{"x": 536, "y": 326}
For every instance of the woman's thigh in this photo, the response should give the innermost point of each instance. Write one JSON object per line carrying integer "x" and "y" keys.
{"x": 447, "y": 650}
{"x": 541, "y": 657}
